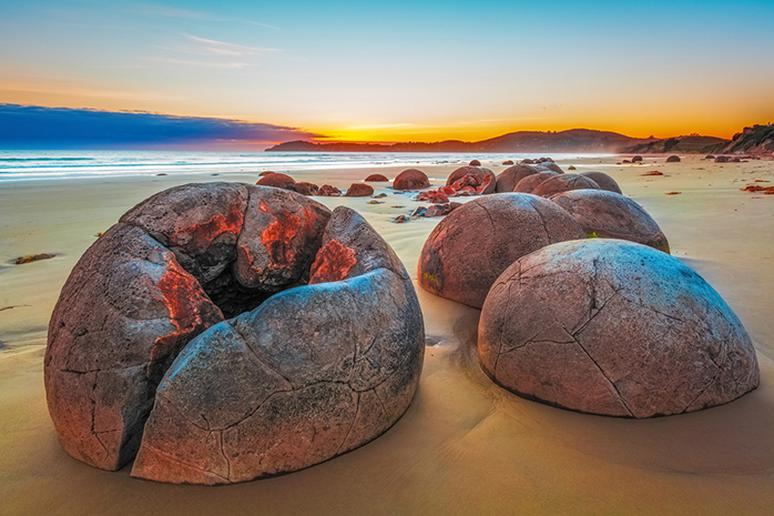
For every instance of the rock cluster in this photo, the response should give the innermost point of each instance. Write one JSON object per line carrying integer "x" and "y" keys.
{"x": 183, "y": 336}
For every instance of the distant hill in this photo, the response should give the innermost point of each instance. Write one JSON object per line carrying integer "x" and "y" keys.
{"x": 573, "y": 140}
{"x": 693, "y": 143}
{"x": 758, "y": 139}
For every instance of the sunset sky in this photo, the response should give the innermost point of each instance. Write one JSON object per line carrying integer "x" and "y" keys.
{"x": 396, "y": 71}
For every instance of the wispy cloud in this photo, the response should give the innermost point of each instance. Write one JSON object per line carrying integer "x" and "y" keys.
{"x": 231, "y": 65}
{"x": 224, "y": 48}
{"x": 167, "y": 11}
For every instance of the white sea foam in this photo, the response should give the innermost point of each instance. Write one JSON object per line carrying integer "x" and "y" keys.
{"x": 38, "y": 165}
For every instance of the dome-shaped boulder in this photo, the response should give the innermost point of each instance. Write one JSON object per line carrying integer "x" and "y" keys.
{"x": 614, "y": 328}
{"x": 564, "y": 183}
{"x": 474, "y": 163}
{"x": 610, "y": 215}
{"x": 465, "y": 253}
{"x": 510, "y": 177}
{"x": 376, "y": 178}
{"x": 411, "y": 179}
{"x": 530, "y": 182}
{"x": 277, "y": 180}
{"x": 604, "y": 181}
{"x": 359, "y": 190}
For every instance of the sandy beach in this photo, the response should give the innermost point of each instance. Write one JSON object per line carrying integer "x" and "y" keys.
{"x": 465, "y": 445}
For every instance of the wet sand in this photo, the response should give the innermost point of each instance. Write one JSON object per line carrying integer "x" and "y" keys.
{"x": 465, "y": 445}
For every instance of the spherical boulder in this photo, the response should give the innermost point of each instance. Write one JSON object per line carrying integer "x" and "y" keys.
{"x": 510, "y": 177}
{"x": 277, "y": 180}
{"x": 610, "y": 215}
{"x": 564, "y": 183}
{"x": 359, "y": 190}
{"x": 530, "y": 182}
{"x": 305, "y": 188}
{"x": 551, "y": 166}
{"x": 411, "y": 179}
{"x": 465, "y": 253}
{"x": 673, "y": 159}
{"x": 206, "y": 273}
{"x": 613, "y": 328}
{"x": 636, "y": 159}
{"x": 474, "y": 163}
{"x": 604, "y": 181}
{"x": 482, "y": 177}
{"x": 376, "y": 178}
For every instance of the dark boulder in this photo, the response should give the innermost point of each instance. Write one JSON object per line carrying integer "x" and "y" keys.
{"x": 376, "y": 178}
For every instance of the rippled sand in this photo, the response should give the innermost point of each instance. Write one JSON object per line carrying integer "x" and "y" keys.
{"x": 465, "y": 445}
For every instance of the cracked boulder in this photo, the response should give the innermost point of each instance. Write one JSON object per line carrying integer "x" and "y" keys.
{"x": 613, "y": 328}
{"x": 475, "y": 243}
{"x": 196, "y": 259}
{"x": 480, "y": 179}
{"x": 610, "y": 215}
{"x": 563, "y": 183}
{"x": 313, "y": 372}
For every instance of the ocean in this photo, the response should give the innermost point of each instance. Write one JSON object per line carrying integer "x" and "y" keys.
{"x": 45, "y": 165}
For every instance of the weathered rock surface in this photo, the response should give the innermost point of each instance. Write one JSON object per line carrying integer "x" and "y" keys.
{"x": 610, "y": 215}
{"x": 123, "y": 315}
{"x": 277, "y": 180}
{"x": 329, "y": 191}
{"x": 530, "y": 182}
{"x": 510, "y": 177}
{"x": 305, "y": 188}
{"x": 564, "y": 183}
{"x": 483, "y": 179}
{"x": 613, "y": 328}
{"x": 169, "y": 270}
{"x": 313, "y": 372}
{"x": 359, "y": 190}
{"x": 476, "y": 242}
{"x": 411, "y": 179}
{"x": 604, "y": 181}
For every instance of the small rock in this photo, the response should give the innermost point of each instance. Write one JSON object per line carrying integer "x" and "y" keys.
{"x": 673, "y": 159}
{"x": 376, "y": 178}
{"x": 474, "y": 163}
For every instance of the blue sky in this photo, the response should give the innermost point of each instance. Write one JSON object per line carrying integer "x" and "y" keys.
{"x": 401, "y": 70}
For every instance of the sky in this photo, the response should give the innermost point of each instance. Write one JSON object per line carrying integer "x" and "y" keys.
{"x": 396, "y": 71}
